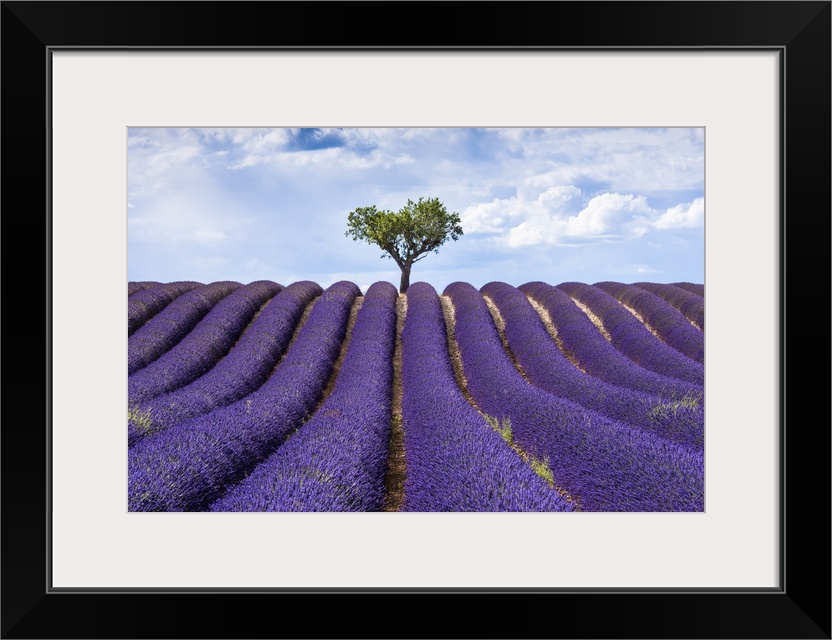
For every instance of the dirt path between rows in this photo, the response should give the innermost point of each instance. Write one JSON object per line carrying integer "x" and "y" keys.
{"x": 462, "y": 382}
{"x": 552, "y": 331}
{"x": 336, "y": 366}
{"x": 394, "y": 481}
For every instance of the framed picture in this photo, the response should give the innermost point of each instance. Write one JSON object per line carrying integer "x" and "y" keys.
{"x": 754, "y": 76}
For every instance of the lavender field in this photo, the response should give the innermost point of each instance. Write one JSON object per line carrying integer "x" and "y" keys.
{"x": 543, "y": 397}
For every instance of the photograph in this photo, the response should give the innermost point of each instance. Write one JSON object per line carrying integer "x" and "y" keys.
{"x": 547, "y": 355}
{"x": 416, "y": 317}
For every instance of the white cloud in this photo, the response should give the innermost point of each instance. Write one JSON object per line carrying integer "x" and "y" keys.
{"x": 487, "y": 217}
{"x": 626, "y": 160}
{"x": 362, "y": 150}
{"x": 247, "y": 161}
{"x": 607, "y": 215}
{"x": 256, "y": 146}
{"x": 538, "y": 207}
{"x": 686, "y": 216}
{"x": 264, "y": 141}
{"x": 558, "y": 183}
{"x": 554, "y": 198}
{"x": 541, "y": 228}
{"x": 548, "y": 218}
{"x": 160, "y": 157}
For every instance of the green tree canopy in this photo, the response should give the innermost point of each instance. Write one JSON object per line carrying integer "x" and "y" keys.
{"x": 408, "y": 235}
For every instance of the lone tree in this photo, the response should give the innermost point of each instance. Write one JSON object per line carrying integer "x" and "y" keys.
{"x": 407, "y": 236}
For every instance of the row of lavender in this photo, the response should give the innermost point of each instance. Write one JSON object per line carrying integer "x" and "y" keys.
{"x": 226, "y": 383}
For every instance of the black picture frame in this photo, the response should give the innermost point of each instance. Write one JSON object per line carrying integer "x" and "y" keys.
{"x": 798, "y": 608}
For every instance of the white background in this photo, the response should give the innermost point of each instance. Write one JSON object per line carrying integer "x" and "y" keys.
{"x": 97, "y": 95}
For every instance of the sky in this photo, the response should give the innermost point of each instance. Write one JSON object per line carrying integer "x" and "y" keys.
{"x": 552, "y": 204}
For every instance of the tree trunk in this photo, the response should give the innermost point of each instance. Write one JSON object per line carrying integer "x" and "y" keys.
{"x": 405, "y": 282}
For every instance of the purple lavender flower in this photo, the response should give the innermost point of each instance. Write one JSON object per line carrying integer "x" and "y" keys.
{"x": 203, "y": 347}
{"x": 190, "y": 465}
{"x": 162, "y": 332}
{"x": 698, "y": 289}
{"x": 632, "y": 338}
{"x": 690, "y": 304}
{"x": 138, "y": 285}
{"x": 602, "y": 463}
{"x": 145, "y": 304}
{"x": 455, "y": 460}
{"x": 666, "y": 321}
{"x": 241, "y": 372}
{"x": 548, "y": 368}
{"x": 337, "y": 460}
{"x": 584, "y": 344}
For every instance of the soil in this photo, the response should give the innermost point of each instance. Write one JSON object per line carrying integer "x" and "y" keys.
{"x": 462, "y": 383}
{"x": 302, "y": 321}
{"x": 394, "y": 481}
{"x": 501, "y": 329}
{"x": 595, "y": 319}
{"x": 640, "y": 319}
{"x": 336, "y": 367}
{"x": 552, "y": 330}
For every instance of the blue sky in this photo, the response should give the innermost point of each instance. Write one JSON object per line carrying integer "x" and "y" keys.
{"x": 557, "y": 205}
